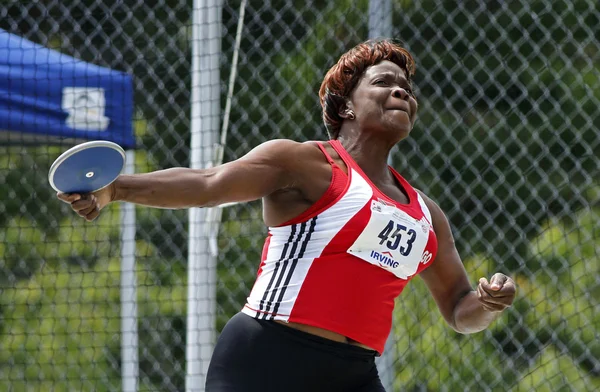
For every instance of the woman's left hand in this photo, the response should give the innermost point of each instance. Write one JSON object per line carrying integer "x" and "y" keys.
{"x": 497, "y": 294}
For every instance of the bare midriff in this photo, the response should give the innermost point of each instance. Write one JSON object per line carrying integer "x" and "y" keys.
{"x": 324, "y": 333}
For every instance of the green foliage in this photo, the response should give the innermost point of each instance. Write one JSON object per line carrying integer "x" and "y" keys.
{"x": 547, "y": 341}
{"x": 506, "y": 127}
{"x": 241, "y": 238}
{"x": 556, "y": 371}
{"x": 61, "y": 329}
{"x": 61, "y": 325}
{"x": 564, "y": 292}
{"x": 431, "y": 356}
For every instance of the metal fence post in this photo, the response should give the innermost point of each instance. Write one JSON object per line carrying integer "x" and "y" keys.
{"x": 129, "y": 315}
{"x": 205, "y": 109}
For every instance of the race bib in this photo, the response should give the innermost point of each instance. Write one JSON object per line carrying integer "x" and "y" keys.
{"x": 393, "y": 240}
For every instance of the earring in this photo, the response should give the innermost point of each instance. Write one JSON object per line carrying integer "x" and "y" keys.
{"x": 351, "y": 115}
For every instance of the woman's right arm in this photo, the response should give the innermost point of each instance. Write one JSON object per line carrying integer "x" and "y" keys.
{"x": 267, "y": 168}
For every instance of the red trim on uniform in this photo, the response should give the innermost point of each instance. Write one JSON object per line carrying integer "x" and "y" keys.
{"x": 339, "y": 284}
{"x": 264, "y": 254}
{"x": 413, "y": 207}
{"x": 341, "y": 292}
{"x": 337, "y": 188}
{"x": 324, "y": 151}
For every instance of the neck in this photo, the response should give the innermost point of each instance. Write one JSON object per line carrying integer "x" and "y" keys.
{"x": 369, "y": 151}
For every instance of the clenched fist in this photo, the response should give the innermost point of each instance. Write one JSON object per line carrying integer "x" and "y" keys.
{"x": 497, "y": 294}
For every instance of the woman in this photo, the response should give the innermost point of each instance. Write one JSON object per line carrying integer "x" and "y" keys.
{"x": 346, "y": 234}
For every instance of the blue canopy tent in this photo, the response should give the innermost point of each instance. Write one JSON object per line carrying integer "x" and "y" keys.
{"x": 47, "y": 97}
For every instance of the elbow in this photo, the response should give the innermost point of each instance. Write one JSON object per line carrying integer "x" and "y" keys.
{"x": 465, "y": 330}
{"x": 465, "y": 327}
{"x": 458, "y": 327}
{"x": 463, "y": 318}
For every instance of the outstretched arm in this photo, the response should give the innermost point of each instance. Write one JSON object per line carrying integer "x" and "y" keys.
{"x": 464, "y": 309}
{"x": 267, "y": 168}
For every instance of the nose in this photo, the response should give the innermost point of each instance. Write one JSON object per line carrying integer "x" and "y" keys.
{"x": 401, "y": 93}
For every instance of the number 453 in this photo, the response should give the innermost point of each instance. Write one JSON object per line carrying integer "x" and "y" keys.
{"x": 397, "y": 235}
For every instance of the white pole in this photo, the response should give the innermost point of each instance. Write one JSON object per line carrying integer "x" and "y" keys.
{"x": 205, "y": 112}
{"x": 129, "y": 320}
{"x": 380, "y": 19}
{"x": 380, "y": 26}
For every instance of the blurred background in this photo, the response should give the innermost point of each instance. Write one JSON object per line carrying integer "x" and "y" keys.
{"x": 507, "y": 142}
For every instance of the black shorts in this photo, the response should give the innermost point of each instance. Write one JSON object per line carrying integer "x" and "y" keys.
{"x": 262, "y": 356}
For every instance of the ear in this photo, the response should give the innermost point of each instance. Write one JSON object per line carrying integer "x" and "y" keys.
{"x": 346, "y": 109}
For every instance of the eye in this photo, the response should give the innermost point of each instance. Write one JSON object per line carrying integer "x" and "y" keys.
{"x": 380, "y": 82}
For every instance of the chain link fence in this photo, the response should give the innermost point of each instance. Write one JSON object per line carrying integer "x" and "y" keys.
{"x": 507, "y": 142}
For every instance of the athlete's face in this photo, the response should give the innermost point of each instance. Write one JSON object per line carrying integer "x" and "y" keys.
{"x": 383, "y": 100}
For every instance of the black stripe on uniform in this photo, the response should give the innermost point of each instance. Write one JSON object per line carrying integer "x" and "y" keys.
{"x": 294, "y": 263}
{"x": 282, "y": 273}
{"x": 277, "y": 264}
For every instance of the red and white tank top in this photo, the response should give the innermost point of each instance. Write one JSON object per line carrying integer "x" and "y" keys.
{"x": 340, "y": 265}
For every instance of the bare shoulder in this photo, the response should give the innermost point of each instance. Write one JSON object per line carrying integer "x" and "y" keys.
{"x": 297, "y": 164}
{"x": 308, "y": 176}
{"x": 285, "y": 151}
{"x": 274, "y": 148}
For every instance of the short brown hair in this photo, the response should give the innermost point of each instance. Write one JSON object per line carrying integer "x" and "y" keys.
{"x": 343, "y": 76}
